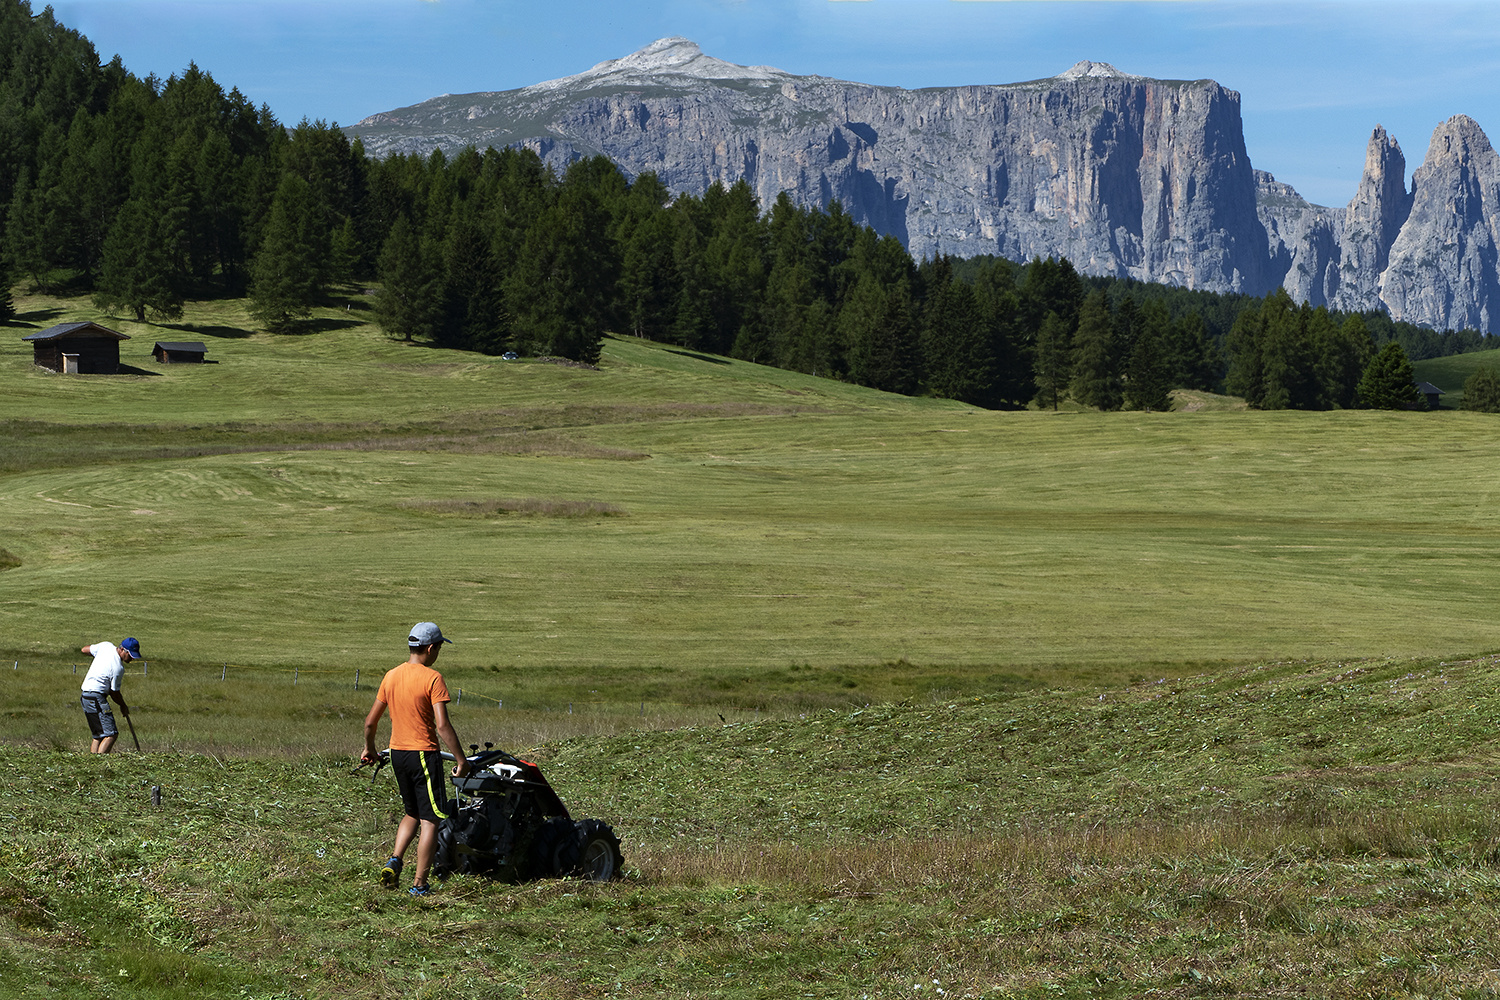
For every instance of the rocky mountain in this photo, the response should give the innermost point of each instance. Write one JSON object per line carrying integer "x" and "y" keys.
{"x": 1124, "y": 175}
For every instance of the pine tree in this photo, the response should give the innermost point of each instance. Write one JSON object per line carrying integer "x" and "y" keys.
{"x": 876, "y": 325}
{"x": 1343, "y": 354}
{"x": 1389, "y": 381}
{"x": 955, "y": 347}
{"x": 409, "y": 302}
{"x": 1054, "y": 348}
{"x": 138, "y": 270}
{"x": 1482, "y": 391}
{"x": 1096, "y": 376}
{"x": 284, "y": 273}
{"x": 561, "y": 289}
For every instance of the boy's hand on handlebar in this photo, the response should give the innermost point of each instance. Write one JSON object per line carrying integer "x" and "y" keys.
{"x": 460, "y": 766}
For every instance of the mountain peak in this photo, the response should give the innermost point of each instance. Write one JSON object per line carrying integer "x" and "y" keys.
{"x": 673, "y": 59}
{"x": 1084, "y": 68}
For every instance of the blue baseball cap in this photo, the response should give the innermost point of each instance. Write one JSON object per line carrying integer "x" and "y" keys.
{"x": 133, "y": 647}
{"x": 425, "y": 634}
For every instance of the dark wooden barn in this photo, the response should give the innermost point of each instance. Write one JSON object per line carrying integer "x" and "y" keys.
{"x": 179, "y": 352}
{"x": 1431, "y": 393}
{"x": 78, "y": 348}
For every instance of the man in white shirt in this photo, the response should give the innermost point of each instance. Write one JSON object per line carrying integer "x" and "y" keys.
{"x": 101, "y": 683}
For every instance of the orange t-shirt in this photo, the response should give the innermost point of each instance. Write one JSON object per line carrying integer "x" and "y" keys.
{"x": 410, "y": 691}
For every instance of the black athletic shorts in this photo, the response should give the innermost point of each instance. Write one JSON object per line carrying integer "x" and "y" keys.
{"x": 422, "y": 777}
{"x": 101, "y": 719}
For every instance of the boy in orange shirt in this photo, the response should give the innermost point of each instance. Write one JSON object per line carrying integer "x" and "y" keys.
{"x": 418, "y": 700}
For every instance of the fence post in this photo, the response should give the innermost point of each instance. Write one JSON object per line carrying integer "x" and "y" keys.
{"x": 460, "y": 698}
{"x": 223, "y": 670}
{"x": 294, "y": 675}
{"x": 356, "y": 678}
{"x": 145, "y": 665}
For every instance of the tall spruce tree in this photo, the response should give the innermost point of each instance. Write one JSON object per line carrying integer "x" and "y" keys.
{"x": 1054, "y": 350}
{"x": 284, "y": 274}
{"x": 1096, "y": 372}
{"x": 409, "y": 302}
{"x": 1388, "y": 382}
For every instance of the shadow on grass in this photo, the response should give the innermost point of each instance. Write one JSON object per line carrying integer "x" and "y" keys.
{"x": 221, "y": 332}
{"x": 133, "y": 370}
{"x": 303, "y": 328}
{"x": 700, "y": 357}
{"x": 37, "y": 318}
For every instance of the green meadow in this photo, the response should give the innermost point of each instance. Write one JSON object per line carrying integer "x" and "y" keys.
{"x": 885, "y": 696}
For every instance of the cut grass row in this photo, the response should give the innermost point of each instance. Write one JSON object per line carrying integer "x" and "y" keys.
{"x": 275, "y": 511}
{"x": 1282, "y": 829}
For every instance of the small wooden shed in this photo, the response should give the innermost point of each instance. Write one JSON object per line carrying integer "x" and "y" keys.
{"x": 78, "y": 348}
{"x": 179, "y": 352}
{"x": 1431, "y": 393}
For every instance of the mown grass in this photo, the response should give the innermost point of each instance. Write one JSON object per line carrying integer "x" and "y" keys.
{"x": 769, "y": 520}
{"x": 1283, "y": 829}
{"x": 886, "y": 696}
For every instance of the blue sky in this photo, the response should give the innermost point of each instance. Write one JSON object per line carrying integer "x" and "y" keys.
{"x": 1314, "y": 78}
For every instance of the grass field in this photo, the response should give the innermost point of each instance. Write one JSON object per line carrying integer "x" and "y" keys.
{"x": 882, "y": 693}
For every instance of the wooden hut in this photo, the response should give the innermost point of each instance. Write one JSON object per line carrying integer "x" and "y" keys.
{"x": 179, "y": 352}
{"x": 1431, "y": 393}
{"x": 78, "y": 348}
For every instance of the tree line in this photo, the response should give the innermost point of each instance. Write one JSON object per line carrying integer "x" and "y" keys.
{"x": 145, "y": 193}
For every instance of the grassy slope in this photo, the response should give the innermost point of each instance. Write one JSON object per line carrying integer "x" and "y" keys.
{"x": 283, "y": 509}
{"x": 1285, "y": 829}
{"x": 1449, "y": 373}
{"x": 1011, "y": 815}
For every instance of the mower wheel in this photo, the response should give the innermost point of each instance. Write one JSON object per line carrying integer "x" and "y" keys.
{"x": 599, "y": 857}
{"x": 554, "y": 849}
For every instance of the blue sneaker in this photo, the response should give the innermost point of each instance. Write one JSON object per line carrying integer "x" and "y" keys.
{"x": 420, "y": 890}
{"x": 391, "y": 873}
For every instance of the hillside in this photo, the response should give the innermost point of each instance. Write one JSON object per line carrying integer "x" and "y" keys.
{"x": 880, "y": 692}
{"x": 727, "y": 520}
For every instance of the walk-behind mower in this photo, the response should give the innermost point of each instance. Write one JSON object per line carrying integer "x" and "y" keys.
{"x": 509, "y": 824}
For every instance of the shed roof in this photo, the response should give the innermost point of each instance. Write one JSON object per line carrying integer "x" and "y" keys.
{"x": 76, "y": 330}
{"x": 191, "y": 346}
{"x": 1428, "y": 389}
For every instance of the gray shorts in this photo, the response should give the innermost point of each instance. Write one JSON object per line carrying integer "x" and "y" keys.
{"x": 101, "y": 719}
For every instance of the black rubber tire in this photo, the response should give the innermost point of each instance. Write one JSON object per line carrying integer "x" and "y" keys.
{"x": 442, "y": 856}
{"x": 599, "y": 858}
{"x": 554, "y": 849}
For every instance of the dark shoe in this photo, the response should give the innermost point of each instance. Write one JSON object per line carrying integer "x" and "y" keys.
{"x": 391, "y": 873}
{"x": 420, "y": 890}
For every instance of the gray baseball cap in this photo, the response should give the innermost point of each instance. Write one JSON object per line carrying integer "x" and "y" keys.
{"x": 425, "y": 634}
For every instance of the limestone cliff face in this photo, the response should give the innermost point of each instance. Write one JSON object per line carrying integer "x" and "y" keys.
{"x": 1304, "y": 240}
{"x": 1372, "y": 222}
{"x": 1124, "y": 175}
{"x": 1443, "y": 264}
